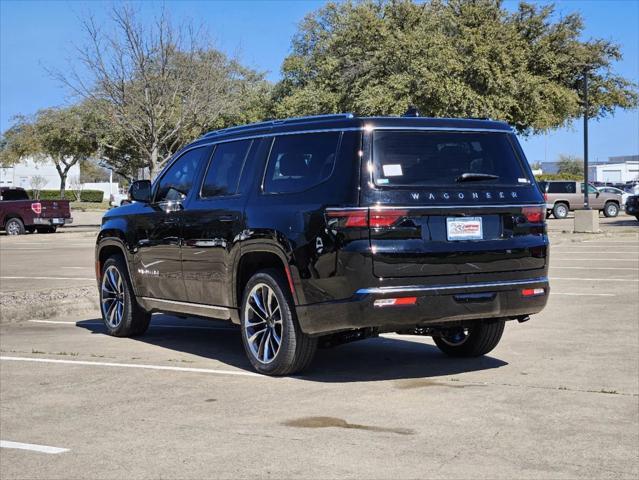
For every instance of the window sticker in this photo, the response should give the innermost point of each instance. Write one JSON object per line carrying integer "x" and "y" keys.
{"x": 392, "y": 170}
{"x": 523, "y": 180}
{"x": 382, "y": 181}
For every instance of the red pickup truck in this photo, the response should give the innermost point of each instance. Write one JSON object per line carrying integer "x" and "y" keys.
{"x": 20, "y": 214}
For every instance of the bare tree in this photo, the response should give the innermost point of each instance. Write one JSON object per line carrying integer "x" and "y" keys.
{"x": 157, "y": 86}
{"x": 76, "y": 187}
{"x": 37, "y": 183}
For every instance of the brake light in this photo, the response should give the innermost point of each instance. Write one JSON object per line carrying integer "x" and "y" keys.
{"x": 534, "y": 214}
{"x": 362, "y": 217}
{"x": 533, "y": 292}
{"x": 386, "y": 218}
{"x": 545, "y": 197}
{"x": 393, "y": 302}
{"x": 37, "y": 208}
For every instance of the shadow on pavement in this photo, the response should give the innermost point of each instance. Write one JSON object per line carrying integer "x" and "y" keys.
{"x": 375, "y": 359}
{"x": 623, "y": 222}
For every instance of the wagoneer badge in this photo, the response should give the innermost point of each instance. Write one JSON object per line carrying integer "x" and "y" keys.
{"x": 463, "y": 195}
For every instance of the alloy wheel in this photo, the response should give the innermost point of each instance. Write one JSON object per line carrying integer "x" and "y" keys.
{"x": 263, "y": 323}
{"x": 455, "y": 337}
{"x": 13, "y": 228}
{"x": 112, "y": 296}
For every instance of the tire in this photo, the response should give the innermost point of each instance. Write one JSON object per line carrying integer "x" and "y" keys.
{"x": 46, "y": 229}
{"x": 273, "y": 314}
{"x": 121, "y": 314}
{"x": 560, "y": 210}
{"x": 473, "y": 341}
{"x": 611, "y": 209}
{"x": 14, "y": 226}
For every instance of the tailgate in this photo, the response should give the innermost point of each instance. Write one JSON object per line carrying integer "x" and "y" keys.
{"x": 418, "y": 242}
{"x": 55, "y": 209}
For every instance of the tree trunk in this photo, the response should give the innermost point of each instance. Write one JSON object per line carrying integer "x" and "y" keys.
{"x": 153, "y": 166}
{"x": 63, "y": 181}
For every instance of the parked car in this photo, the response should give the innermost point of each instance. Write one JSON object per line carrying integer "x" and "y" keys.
{"x": 632, "y": 206}
{"x": 563, "y": 196}
{"x": 118, "y": 199}
{"x": 19, "y": 214}
{"x": 330, "y": 229}
{"x": 616, "y": 191}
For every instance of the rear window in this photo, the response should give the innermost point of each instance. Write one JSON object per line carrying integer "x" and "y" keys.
{"x": 17, "y": 194}
{"x": 409, "y": 158}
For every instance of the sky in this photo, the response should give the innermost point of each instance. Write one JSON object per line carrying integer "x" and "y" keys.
{"x": 40, "y": 36}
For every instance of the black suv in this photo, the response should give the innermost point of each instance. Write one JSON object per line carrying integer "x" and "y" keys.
{"x": 333, "y": 228}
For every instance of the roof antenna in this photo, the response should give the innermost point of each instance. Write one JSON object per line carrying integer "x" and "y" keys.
{"x": 412, "y": 111}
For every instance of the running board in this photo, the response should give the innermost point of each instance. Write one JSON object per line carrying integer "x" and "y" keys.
{"x": 186, "y": 308}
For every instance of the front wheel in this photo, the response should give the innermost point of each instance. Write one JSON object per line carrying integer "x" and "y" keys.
{"x": 272, "y": 338}
{"x": 121, "y": 314}
{"x": 472, "y": 341}
{"x": 611, "y": 209}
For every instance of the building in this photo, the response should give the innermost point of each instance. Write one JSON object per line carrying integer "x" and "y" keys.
{"x": 615, "y": 172}
{"x": 22, "y": 175}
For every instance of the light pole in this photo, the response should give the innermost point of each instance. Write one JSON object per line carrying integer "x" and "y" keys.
{"x": 586, "y": 200}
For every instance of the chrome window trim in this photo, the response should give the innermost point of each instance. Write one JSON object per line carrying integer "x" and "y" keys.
{"x": 436, "y": 288}
{"x": 425, "y": 206}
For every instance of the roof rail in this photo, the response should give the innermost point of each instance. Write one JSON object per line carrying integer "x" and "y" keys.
{"x": 284, "y": 121}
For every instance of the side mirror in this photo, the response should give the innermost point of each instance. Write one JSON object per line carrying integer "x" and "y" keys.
{"x": 140, "y": 191}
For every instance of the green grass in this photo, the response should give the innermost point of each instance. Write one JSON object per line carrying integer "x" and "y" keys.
{"x": 89, "y": 206}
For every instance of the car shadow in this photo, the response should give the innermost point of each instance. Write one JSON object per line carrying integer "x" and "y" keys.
{"x": 374, "y": 359}
{"x": 623, "y": 222}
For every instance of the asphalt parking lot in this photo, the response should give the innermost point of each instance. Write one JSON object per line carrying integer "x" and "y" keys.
{"x": 558, "y": 398}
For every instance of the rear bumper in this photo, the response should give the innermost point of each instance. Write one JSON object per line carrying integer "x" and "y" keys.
{"x": 435, "y": 304}
{"x": 53, "y": 222}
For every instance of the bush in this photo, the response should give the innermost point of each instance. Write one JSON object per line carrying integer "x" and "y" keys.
{"x": 85, "y": 196}
{"x": 558, "y": 176}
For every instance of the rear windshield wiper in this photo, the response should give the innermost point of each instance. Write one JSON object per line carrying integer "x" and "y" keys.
{"x": 472, "y": 177}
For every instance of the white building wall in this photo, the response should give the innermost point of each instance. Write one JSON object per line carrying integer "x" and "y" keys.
{"x": 21, "y": 174}
{"x": 617, "y": 172}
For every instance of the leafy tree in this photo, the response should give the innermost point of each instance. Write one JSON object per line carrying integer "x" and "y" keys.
{"x": 157, "y": 88}
{"x": 62, "y": 135}
{"x": 457, "y": 58}
{"x": 570, "y": 165}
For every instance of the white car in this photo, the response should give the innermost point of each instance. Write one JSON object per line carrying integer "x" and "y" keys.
{"x": 616, "y": 191}
{"x": 118, "y": 199}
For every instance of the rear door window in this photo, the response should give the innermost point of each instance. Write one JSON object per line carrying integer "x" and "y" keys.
{"x": 301, "y": 161}
{"x": 224, "y": 170}
{"x": 410, "y": 158}
{"x": 561, "y": 187}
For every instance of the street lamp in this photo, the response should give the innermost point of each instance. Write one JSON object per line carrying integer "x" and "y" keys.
{"x": 586, "y": 185}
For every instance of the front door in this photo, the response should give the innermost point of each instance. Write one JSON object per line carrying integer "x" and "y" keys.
{"x": 157, "y": 263}
{"x": 213, "y": 225}
{"x": 595, "y": 199}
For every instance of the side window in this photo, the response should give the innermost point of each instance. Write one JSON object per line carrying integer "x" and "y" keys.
{"x": 299, "y": 162}
{"x": 561, "y": 187}
{"x": 591, "y": 189}
{"x": 224, "y": 170}
{"x": 177, "y": 181}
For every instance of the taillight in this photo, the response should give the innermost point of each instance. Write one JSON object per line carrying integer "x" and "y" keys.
{"x": 545, "y": 197}
{"x": 385, "y": 218}
{"x": 393, "y": 302}
{"x": 37, "y": 208}
{"x": 364, "y": 218}
{"x": 534, "y": 214}
{"x": 533, "y": 292}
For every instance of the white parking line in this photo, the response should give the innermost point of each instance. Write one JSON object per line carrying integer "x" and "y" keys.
{"x": 590, "y": 259}
{"x": 583, "y": 294}
{"x": 47, "y": 278}
{"x": 597, "y": 268}
{"x": 597, "y": 279}
{"x": 72, "y": 324}
{"x": 33, "y": 447}
{"x": 131, "y": 365}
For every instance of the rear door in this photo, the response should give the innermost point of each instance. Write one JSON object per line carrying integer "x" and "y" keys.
{"x": 451, "y": 203}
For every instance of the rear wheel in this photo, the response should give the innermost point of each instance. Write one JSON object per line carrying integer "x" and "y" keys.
{"x": 14, "y": 226}
{"x": 272, "y": 338}
{"x": 560, "y": 210}
{"x": 122, "y": 315}
{"x": 473, "y": 341}
{"x": 611, "y": 209}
